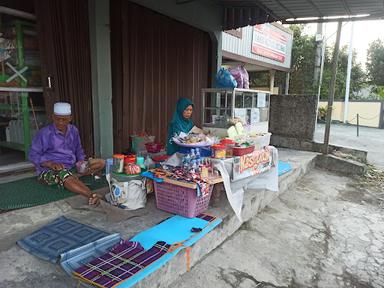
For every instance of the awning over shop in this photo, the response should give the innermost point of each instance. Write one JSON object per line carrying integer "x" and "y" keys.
{"x": 242, "y": 13}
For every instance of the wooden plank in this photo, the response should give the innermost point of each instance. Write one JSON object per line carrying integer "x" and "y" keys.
{"x": 211, "y": 181}
{"x": 215, "y": 180}
{"x": 180, "y": 183}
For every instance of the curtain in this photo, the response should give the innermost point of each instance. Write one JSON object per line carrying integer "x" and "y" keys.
{"x": 65, "y": 56}
{"x": 155, "y": 60}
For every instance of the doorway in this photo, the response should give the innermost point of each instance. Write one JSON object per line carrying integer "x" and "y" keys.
{"x": 22, "y": 107}
{"x": 48, "y": 51}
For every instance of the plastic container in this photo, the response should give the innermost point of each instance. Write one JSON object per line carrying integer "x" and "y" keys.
{"x": 81, "y": 166}
{"x": 240, "y": 151}
{"x": 261, "y": 141}
{"x": 139, "y": 141}
{"x": 153, "y": 147}
{"x": 218, "y": 151}
{"x": 140, "y": 162}
{"x": 118, "y": 163}
{"x": 180, "y": 200}
{"x": 108, "y": 166}
{"x": 130, "y": 159}
{"x": 229, "y": 145}
{"x": 160, "y": 158}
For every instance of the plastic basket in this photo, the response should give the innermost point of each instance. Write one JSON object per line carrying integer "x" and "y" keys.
{"x": 181, "y": 200}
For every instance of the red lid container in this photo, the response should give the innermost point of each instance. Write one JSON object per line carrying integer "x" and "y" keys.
{"x": 227, "y": 141}
{"x": 218, "y": 147}
{"x": 130, "y": 159}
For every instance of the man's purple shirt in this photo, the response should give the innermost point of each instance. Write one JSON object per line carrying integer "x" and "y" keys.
{"x": 50, "y": 144}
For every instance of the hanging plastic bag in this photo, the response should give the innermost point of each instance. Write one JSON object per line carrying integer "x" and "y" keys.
{"x": 241, "y": 76}
{"x": 245, "y": 74}
{"x": 224, "y": 79}
{"x": 236, "y": 73}
{"x": 130, "y": 195}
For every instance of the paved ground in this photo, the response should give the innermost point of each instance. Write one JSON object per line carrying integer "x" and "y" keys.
{"x": 28, "y": 270}
{"x": 370, "y": 139}
{"x": 322, "y": 233}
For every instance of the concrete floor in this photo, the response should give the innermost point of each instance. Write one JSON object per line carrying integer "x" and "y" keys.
{"x": 370, "y": 139}
{"x": 322, "y": 233}
{"x": 28, "y": 270}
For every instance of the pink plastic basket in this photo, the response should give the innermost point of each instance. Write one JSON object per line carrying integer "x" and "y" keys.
{"x": 180, "y": 200}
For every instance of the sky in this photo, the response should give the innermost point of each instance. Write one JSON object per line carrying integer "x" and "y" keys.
{"x": 364, "y": 33}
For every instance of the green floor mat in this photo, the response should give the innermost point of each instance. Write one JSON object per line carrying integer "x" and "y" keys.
{"x": 28, "y": 192}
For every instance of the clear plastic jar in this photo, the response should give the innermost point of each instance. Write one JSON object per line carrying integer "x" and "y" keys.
{"x": 229, "y": 145}
{"x": 118, "y": 163}
{"x": 218, "y": 151}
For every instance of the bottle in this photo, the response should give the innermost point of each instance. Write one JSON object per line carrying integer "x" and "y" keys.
{"x": 197, "y": 153}
{"x": 194, "y": 166}
{"x": 188, "y": 159}
{"x": 185, "y": 167}
{"x": 193, "y": 155}
{"x": 204, "y": 172}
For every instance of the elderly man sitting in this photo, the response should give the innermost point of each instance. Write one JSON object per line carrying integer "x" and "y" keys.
{"x": 56, "y": 150}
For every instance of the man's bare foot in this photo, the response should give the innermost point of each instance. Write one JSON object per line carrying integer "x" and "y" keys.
{"x": 94, "y": 199}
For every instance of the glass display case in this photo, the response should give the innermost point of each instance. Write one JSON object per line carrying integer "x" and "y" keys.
{"x": 221, "y": 107}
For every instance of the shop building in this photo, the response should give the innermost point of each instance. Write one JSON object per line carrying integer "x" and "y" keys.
{"x": 263, "y": 47}
{"x": 122, "y": 64}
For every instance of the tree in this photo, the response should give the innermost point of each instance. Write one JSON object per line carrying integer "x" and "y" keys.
{"x": 375, "y": 62}
{"x": 357, "y": 74}
{"x": 303, "y": 61}
{"x": 303, "y": 65}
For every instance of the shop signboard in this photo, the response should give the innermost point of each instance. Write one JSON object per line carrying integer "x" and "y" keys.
{"x": 252, "y": 164}
{"x": 269, "y": 42}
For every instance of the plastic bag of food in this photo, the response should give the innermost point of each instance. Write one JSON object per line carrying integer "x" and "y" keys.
{"x": 241, "y": 76}
{"x": 224, "y": 79}
{"x": 245, "y": 74}
{"x": 129, "y": 195}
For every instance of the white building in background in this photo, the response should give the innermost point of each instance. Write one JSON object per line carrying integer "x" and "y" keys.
{"x": 366, "y": 93}
{"x": 264, "y": 47}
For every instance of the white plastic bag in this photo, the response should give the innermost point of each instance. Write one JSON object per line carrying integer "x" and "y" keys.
{"x": 130, "y": 195}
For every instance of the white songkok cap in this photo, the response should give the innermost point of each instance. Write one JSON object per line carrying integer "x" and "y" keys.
{"x": 62, "y": 109}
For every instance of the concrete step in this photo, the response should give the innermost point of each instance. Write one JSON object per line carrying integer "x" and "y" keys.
{"x": 17, "y": 224}
{"x": 302, "y": 163}
{"x": 16, "y": 171}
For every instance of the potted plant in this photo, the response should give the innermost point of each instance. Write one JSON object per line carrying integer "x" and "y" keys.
{"x": 322, "y": 114}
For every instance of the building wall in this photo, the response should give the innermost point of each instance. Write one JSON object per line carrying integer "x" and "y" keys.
{"x": 155, "y": 61}
{"x": 369, "y": 112}
{"x": 101, "y": 77}
{"x": 204, "y": 15}
{"x": 293, "y": 116}
{"x": 242, "y": 46}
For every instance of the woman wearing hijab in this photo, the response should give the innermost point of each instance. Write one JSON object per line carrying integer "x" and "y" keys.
{"x": 181, "y": 122}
